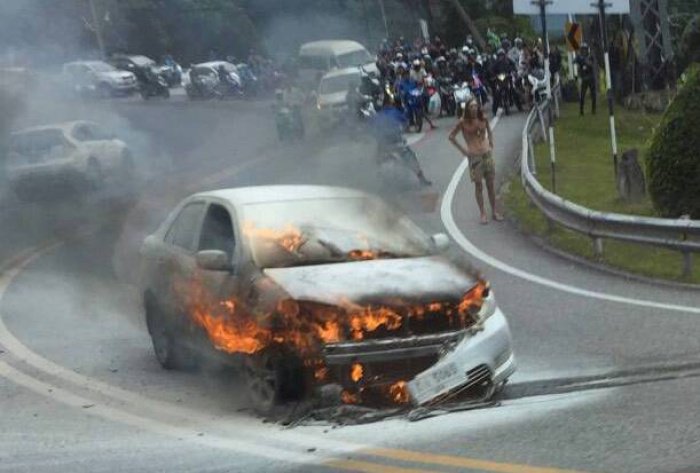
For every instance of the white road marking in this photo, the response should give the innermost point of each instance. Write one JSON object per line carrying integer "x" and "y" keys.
{"x": 55, "y": 393}
{"x": 461, "y": 239}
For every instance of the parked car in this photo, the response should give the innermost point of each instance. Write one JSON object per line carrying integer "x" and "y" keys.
{"x": 75, "y": 154}
{"x": 204, "y": 81}
{"x": 301, "y": 286}
{"x": 97, "y": 78}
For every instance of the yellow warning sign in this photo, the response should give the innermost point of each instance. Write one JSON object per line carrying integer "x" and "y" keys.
{"x": 574, "y": 35}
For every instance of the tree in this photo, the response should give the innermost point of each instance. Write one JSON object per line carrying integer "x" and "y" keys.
{"x": 673, "y": 159}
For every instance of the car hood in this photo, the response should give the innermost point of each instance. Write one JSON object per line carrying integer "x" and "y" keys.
{"x": 375, "y": 281}
{"x": 337, "y": 98}
{"x": 117, "y": 75}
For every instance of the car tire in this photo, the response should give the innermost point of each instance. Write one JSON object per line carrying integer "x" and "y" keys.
{"x": 271, "y": 378}
{"x": 93, "y": 174}
{"x": 170, "y": 354}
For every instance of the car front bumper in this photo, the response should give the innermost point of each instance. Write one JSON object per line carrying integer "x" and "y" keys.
{"x": 422, "y": 361}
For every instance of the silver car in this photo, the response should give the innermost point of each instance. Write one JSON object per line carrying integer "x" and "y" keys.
{"x": 97, "y": 78}
{"x": 77, "y": 153}
{"x": 303, "y": 286}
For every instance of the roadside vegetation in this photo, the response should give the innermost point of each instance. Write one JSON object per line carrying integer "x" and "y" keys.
{"x": 585, "y": 175}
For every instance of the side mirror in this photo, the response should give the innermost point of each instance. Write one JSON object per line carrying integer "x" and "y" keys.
{"x": 441, "y": 242}
{"x": 213, "y": 260}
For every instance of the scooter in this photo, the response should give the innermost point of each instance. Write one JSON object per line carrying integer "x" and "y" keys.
{"x": 462, "y": 96}
{"x": 413, "y": 108}
{"x": 152, "y": 84}
{"x": 447, "y": 96}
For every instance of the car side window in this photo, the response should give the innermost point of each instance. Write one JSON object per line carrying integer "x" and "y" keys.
{"x": 183, "y": 231}
{"x": 217, "y": 231}
{"x": 83, "y": 133}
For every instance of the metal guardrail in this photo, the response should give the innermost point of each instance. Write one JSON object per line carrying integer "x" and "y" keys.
{"x": 679, "y": 235}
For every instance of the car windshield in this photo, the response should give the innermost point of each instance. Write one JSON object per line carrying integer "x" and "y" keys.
{"x": 354, "y": 58}
{"x": 341, "y": 83}
{"x": 99, "y": 66}
{"x": 331, "y": 230}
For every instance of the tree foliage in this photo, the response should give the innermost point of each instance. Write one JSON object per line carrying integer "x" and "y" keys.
{"x": 673, "y": 159}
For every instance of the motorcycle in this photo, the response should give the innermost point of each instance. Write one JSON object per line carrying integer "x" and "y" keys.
{"x": 538, "y": 83}
{"x": 413, "y": 108}
{"x": 462, "y": 95}
{"x": 504, "y": 95}
{"x": 434, "y": 103}
{"x": 230, "y": 86}
{"x": 479, "y": 89}
{"x": 447, "y": 97}
{"x": 152, "y": 84}
{"x": 398, "y": 163}
{"x": 290, "y": 125}
{"x": 172, "y": 73}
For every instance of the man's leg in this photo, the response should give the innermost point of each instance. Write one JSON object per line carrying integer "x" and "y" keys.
{"x": 479, "y": 193}
{"x": 491, "y": 189}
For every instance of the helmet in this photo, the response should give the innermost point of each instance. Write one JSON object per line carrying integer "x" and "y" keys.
{"x": 465, "y": 50}
{"x": 441, "y": 59}
{"x": 518, "y": 42}
{"x": 501, "y": 52}
{"x": 399, "y": 56}
{"x": 424, "y": 51}
{"x": 416, "y": 63}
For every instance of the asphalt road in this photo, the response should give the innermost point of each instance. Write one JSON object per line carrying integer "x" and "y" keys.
{"x": 607, "y": 377}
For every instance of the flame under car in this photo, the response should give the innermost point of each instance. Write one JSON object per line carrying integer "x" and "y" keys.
{"x": 305, "y": 285}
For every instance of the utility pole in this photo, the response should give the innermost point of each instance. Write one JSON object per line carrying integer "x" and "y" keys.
{"x": 602, "y": 5}
{"x": 386, "y": 24}
{"x": 470, "y": 23}
{"x": 548, "y": 77}
{"x": 97, "y": 27}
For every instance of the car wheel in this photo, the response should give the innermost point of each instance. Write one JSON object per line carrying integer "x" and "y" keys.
{"x": 93, "y": 174}
{"x": 263, "y": 377}
{"x": 170, "y": 354}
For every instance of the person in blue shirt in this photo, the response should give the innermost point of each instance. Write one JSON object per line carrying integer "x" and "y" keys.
{"x": 388, "y": 126}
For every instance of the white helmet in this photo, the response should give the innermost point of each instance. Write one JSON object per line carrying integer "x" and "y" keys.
{"x": 416, "y": 62}
{"x": 465, "y": 50}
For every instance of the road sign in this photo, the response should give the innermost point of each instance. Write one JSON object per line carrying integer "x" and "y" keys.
{"x": 576, "y": 7}
{"x": 574, "y": 36}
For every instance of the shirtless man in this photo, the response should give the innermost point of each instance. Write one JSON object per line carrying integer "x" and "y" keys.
{"x": 479, "y": 140}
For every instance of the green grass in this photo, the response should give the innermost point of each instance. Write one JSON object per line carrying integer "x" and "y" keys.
{"x": 585, "y": 175}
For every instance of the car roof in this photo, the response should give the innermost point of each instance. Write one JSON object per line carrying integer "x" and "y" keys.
{"x": 330, "y": 47}
{"x": 136, "y": 58}
{"x": 213, "y": 64}
{"x": 63, "y": 126}
{"x": 87, "y": 63}
{"x": 280, "y": 193}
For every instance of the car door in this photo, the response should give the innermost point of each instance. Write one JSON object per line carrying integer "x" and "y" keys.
{"x": 218, "y": 232}
{"x": 177, "y": 265}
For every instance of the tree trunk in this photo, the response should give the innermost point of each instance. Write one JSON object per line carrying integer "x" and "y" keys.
{"x": 470, "y": 23}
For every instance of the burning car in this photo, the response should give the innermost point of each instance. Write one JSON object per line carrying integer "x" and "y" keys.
{"x": 302, "y": 286}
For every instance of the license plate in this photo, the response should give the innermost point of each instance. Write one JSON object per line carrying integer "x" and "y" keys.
{"x": 436, "y": 381}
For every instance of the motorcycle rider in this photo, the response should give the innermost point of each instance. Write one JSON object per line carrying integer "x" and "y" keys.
{"x": 293, "y": 98}
{"x": 417, "y": 76}
{"x": 225, "y": 78}
{"x": 587, "y": 72}
{"x": 515, "y": 52}
{"x": 502, "y": 65}
{"x": 388, "y": 126}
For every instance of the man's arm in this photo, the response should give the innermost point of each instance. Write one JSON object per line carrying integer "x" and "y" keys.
{"x": 453, "y": 138}
{"x": 490, "y": 134}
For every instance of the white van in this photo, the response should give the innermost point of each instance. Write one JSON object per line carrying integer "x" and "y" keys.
{"x": 319, "y": 57}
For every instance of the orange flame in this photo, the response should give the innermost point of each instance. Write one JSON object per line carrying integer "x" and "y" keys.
{"x": 399, "y": 392}
{"x": 356, "y": 372}
{"x": 289, "y": 238}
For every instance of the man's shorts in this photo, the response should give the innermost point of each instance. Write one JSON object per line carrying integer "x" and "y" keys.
{"x": 481, "y": 167}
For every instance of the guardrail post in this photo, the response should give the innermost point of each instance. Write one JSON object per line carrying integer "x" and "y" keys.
{"x": 687, "y": 265}
{"x": 531, "y": 156}
{"x": 598, "y": 247}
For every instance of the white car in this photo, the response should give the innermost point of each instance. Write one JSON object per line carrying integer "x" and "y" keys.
{"x": 332, "y": 95}
{"x": 311, "y": 285}
{"x": 67, "y": 154}
{"x": 97, "y": 78}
